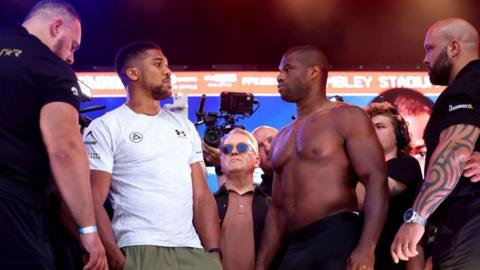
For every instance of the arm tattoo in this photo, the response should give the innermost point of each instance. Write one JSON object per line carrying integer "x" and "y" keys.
{"x": 446, "y": 167}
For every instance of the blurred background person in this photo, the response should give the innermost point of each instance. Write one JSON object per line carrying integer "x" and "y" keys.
{"x": 415, "y": 108}
{"x": 264, "y": 136}
{"x": 404, "y": 177}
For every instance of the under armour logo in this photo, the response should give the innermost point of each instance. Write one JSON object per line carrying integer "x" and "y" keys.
{"x": 180, "y": 133}
{"x": 136, "y": 137}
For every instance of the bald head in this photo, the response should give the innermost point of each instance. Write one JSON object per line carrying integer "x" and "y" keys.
{"x": 52, "y": 9}
{"x": 57, "y": 25}
{"x": 450, "y": 45}
{"x": 264, "y": 136}
{"x": 456, "y": 29}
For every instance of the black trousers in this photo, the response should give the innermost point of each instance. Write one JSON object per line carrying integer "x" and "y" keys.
{"x": 457, "y": 242}
{"x": 325, "y": 244}
{"x": 24, "y": 238}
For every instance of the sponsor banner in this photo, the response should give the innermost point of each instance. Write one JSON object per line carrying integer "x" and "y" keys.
{"x": 353, "y": 83}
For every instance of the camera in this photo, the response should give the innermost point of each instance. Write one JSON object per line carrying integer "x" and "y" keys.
{"x": 233, "y": 106}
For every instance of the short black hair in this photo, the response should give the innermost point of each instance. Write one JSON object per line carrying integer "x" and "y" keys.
{"x": 60, "y": 6}
{"x": 129, "y": 52}
{"x": 311, "y": 55}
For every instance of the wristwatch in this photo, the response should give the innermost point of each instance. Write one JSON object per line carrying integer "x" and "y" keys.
{"x": 411, "y": 216}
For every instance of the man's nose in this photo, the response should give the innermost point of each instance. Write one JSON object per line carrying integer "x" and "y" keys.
{"x": 70, "y": 59}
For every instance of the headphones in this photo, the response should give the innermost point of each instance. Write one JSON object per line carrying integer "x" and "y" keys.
{"x": 401, "y": 129}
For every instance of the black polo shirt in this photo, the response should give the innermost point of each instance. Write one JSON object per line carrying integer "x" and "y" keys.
{"x": 31, "y": 75}
{"x": 459, "y": 103}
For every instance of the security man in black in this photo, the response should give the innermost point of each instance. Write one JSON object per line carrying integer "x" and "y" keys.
{"x": 31, "y": 76}
{"x": 458, "y": 217}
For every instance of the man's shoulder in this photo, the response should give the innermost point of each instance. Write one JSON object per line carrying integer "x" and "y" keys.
{"x": 347, "y": 115}
{"x": 111, "y": 118}
{"x": 345, "y": 108}
{"x": 177, "y": 116}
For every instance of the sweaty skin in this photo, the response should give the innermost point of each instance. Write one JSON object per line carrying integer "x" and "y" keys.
{"x": 315, "y": 175}
{"x": 319, "y": 157}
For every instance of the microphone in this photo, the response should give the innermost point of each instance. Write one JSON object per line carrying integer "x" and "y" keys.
{"x": 200, "y": 110}
{"x": 93, "y": 108}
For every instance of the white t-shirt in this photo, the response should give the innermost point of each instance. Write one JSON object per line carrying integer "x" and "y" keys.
{"x": 149, "y": 158}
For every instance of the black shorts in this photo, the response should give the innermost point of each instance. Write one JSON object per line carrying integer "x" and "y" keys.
{"x": 457, "y": 241}
{"x": 325, "y": 244}
{"x": 24, "y": 239}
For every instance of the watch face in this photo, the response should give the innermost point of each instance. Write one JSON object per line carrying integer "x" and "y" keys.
{"x": 408, "y": 214}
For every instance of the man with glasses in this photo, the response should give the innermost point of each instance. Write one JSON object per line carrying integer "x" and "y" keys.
{"x": 242, "y": 205}
{"x": 317, "y": 160}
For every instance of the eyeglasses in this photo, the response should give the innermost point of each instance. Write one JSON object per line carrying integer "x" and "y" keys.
{"x": 241, "y": 148}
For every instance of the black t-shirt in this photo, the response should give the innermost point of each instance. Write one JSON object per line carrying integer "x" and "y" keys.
{"x": 459, "y": 103}
{"x": 30, "y": 77}
{"x": 406, "y": 170}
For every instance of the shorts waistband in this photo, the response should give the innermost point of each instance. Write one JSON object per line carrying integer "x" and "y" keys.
{"x": 316, "y": 227}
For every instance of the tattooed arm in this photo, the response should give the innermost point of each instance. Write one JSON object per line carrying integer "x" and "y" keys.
{"x": 445, "y": 168}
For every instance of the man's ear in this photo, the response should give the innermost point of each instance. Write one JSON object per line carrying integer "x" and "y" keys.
{"x": 314, "y": 71}
{"x": 132, "y": 73}
{"x": 257, "y": 161}
{"x": 55, "y": 27}
{"x": 454, "y": 48}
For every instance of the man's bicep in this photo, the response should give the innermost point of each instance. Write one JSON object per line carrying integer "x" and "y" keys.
{"x": 277, "y": 192}
{"x": 100, "y": 182}
{"x": 58, "y": 121}
{"x": 455, "y": 146}
{"x": 199, "y": 178}
{"x": 446, "y": 165}
{"x": 364, "y": 149}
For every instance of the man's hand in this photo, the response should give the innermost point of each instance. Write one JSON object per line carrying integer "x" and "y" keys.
{"x": 211, "y": 154}
{"x": 116, "y": 261}
{"x": 96, "y": 258}
{"x": 472, "y": 167}
{"x": 361, "y": 259}
{"x": 405, "y": 244}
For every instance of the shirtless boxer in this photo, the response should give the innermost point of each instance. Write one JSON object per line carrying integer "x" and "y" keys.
{"x": 317, "y": 160}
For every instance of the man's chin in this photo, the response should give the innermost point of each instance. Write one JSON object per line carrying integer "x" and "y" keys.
{"x": 287, "y": 99}
{"x": 162, "y": 95}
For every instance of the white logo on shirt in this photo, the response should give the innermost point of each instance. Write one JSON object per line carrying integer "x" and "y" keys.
{"x": 136, "y": 137}
{"x": 74, "y": 91}
{"x": 460, "y": 106}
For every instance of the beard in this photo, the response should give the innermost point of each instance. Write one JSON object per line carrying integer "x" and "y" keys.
{"x": 440, "y": 71}
{"x": 57, "y": 47}
{"x": 161, "y": 92}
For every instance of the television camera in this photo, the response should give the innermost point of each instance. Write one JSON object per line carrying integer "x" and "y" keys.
{"x": 233, "y": 107}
